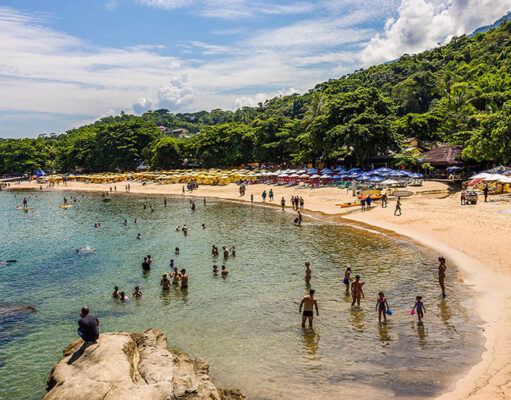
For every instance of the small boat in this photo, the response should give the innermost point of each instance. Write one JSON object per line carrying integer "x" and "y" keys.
{"x": 372, "y": 197}
{"x": 106, "y": 199}
{"x": 344, "y": 205}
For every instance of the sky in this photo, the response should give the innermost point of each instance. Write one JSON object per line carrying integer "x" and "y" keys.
{"x": 64, "y": 64}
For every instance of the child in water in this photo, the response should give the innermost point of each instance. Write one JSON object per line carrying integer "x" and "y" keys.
{"x": 382, "y": 306}
{"x": 137, "y": 293}
{"x": 347, "y": 280}
{"x": 419, "y": 306}
{"x": 215, "y": 270}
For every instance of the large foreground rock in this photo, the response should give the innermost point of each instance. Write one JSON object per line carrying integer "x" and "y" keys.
{"x": 131, "y": 366}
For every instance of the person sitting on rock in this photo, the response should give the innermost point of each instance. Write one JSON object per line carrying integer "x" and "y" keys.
{"x": 88, "y": 326}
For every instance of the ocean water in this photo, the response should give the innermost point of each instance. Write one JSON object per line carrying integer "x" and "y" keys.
{"x": 246, "y": 326}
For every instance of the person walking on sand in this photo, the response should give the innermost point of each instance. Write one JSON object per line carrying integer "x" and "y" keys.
{"x": 252, "y": 198}
{"x": 384, "y": 200}
{"x": 486, "y": 190}
{"x": 283, "y": 203}
{"x": 308, "y": 303}
{"x": 270, "y": 195}
{"x": 363, "y": 203}
{"x": 382, "y": 306}
{"x": 88, "y": 326}
{"x": 264, "y": 196}
{"x": 368, "y": 202}
{"x": 398, "y": 207}
{"x": 301, "y": 203}
{"x": 308, "y": 272}
{"x": 442, "y": 267}
{"x": 419, "y": 308}
{"x": 356, "y": 291}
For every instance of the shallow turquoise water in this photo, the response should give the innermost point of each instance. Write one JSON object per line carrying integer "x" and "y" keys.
{"x": 245, "y": 326}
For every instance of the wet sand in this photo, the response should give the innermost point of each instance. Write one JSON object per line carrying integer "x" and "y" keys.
{"x": 477, "y": 238}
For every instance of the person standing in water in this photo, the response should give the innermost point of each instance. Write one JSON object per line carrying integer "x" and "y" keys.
{"x": 165, "y": 282}
{"x": 347, "y": 279}
{"x": 308, "y": 303}
{"x": 176, "y": 276}
{"x": 215, "y": 270}
{"x": 419, "y": 308}
{"x": 356, "y": 290}
{"x": 252, "y": 198}
{"x": 115, "y": 294}
{"x": 299, "y": 219}
{"x": 25, "y": 202}
{"x": 65, "y": 201}
{"x": 225, "y": 272}
{"x": 442, "y": 267}
{"x": 184, "y": 279}
{"x": 283, "y": 203}
{"x": 137, "y": 294}
{"x": 145, "y": 265}
{"x": 382, "y": 306}
{"x": 308, "y": 272}
{"x": 165, "y": 202}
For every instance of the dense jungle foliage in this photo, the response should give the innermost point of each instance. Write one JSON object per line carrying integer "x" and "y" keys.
{"x": 459, "y": 93}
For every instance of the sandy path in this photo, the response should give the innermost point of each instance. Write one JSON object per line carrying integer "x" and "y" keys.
{"x": 476, "y": 238}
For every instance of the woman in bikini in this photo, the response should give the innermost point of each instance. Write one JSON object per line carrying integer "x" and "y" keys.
{"x": 441, "y": 274}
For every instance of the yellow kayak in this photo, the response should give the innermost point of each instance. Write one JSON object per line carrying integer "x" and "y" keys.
{"x": 24, "y": 208}
{"x": 68, "y": 206}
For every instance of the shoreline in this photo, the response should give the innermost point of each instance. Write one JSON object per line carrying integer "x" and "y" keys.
{"x": 488, "y": 273}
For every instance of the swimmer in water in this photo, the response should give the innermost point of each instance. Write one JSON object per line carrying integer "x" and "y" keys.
{"x": 165, "y": 282}
{"x": 125, "y": 223}
{"x": 123, "y": 297}
{"x": 65, "y": 201}
{"x": 176, "y": 277}
{"x": 215, "y": 270}
{"x": 137, "y": 292}
{"x": 139, "y": 236}
{"x": 214, "y": 251}
{"x": 382, "y": 306}
{"x": 135, "y": 221}
{"x": 171, "y": 264}
{"x": 203, "y": 226}
{"x": 225, "y": 272}
{"x": 77, "y": 251}
{"x": 419, "y": 308}
{"x": 178, "y": 228}
{"x": 115, "y": 294}
{"x": 226, "y": 252}
{"x": 176, "y": 250}
{"x": 356, "y": 290}
{"x": 347, "y": 280}
{"x": 308, "y": 272}
{"x": 184, "y": 279}
{"x": 233, "y": 251}
{"x": 308, "y": 303}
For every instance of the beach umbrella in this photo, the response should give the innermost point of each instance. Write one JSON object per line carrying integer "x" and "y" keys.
{"x": 373, "y": 172}
{"x": 505, "y": 179}
{"x": 314, "y": 176}
{"x": 339, "y": 169}
{"x": 494, "y": 177}
{"x": 353, "y": 175}
{"x": 324, "y": 176}
{"x": 294, "y": 176}
{"x": 375, "y": 179}
{"x": 326, "y": 171}
{"x": 390, "y": 182}
{"x": 353, "y": 170}
{"x": 481, "y": 175}
{"x": 336, "y": 177}
{"x": 416, "y": 176}
{"x": 312, "y": 171}
{"x": 304, "y": 169}
{"x": 383, "y": 169}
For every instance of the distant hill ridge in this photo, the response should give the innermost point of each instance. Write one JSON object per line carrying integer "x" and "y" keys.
{"x": 496, "y": 24}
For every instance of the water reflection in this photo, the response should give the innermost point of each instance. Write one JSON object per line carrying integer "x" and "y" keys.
{"x": 445, "y": 314}
{"x": 310, "y": 341}
{"x": 357, "y": 319}
{"x": 385, "y": 337}
{"x": 165, "y": 297}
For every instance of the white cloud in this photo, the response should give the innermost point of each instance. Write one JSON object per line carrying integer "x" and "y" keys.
{"x": 231, "y": 9}
{"x": 421, "y": 24}
{"x": 111, "y": 5}
{"x": 176, "y": 95}
{"x": 142, "y": 105}
{"x": 253, "y": 101}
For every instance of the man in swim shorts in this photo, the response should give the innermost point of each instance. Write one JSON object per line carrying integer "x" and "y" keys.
{"x": 308, "y": 303}
{"x": 184, "y": 279}
{"x": 165, "y": 282}
{"x": 356, "y": 290}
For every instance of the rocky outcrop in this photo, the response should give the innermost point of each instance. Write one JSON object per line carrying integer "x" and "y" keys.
{"x": 131, "y": 366}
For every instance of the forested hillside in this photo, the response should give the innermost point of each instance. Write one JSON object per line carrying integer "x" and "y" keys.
{"x": 459, "y": 93}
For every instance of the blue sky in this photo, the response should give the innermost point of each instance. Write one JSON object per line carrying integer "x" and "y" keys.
{"x": 67, "y": 63}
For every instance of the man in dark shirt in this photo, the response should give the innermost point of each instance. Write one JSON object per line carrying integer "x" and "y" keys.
{"x": 88, "y": 326}
{"x": 146, "y": 266}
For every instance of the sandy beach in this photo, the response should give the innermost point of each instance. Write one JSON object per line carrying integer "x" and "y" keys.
{"x": 476, "y": 238}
